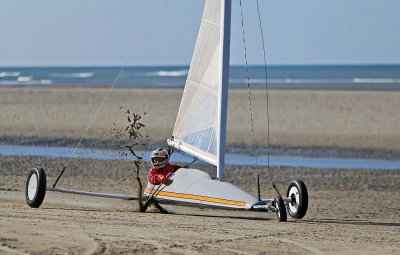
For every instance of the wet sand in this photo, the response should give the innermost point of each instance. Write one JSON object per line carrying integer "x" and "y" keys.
{"x": 327, "y": 119}
{"x": 350, "y": 212}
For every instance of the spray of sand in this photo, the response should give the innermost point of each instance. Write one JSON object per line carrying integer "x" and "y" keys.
{"x": 131, "y": 138}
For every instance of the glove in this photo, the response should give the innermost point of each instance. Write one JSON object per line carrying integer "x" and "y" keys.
{"x": 163, "y": 179}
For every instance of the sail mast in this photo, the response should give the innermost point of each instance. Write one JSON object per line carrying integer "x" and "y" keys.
{"x": 224, "y": 81}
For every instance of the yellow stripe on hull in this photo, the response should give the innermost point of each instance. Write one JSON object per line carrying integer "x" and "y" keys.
{"x": 196, "y": 197}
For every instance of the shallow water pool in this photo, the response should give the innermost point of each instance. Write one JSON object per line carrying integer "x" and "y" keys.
{"x": 231, "y": 159}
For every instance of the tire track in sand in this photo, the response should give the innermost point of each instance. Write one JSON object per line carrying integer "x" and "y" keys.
{"x": 312, "y": 249}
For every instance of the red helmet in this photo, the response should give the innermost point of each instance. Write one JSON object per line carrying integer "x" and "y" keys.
{"x": 159, "y": 158}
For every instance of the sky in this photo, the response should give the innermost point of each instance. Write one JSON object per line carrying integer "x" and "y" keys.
{"x": 106, "y": 32}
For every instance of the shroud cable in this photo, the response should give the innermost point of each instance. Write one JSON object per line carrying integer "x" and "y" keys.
{"x": 141, "y": 37}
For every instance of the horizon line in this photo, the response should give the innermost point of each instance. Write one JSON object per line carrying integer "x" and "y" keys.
{"x": 187, "y": 66}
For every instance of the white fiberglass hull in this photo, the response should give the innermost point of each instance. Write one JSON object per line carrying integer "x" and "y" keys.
{"x": 192, "y": 187}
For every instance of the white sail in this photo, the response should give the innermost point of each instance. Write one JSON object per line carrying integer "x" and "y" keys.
{"x": 198, "y": 125}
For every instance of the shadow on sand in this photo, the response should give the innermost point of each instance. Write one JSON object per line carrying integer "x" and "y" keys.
{"x": 151, "y": 211}
{"x": 239, "y": 217}
{"x": 351, "y": 222}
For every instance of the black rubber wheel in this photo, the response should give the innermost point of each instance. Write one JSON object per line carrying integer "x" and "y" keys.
{"x": 280, "y": 211}
{"x": 297, "y": 191}
{"x": 35, "y": 189}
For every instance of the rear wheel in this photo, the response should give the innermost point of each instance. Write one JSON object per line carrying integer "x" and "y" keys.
{"x": 297, "y": 191}
{"x": 280, "y": 209}
{"x": 35, "y": 189}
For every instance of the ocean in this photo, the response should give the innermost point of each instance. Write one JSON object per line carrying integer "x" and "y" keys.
{"x": 368, "y": 77}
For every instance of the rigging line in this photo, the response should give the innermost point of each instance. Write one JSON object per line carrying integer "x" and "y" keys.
{"x": 267, "y": 99}
{"x": 248, "y": 85}
{"x": 141, "y": 36}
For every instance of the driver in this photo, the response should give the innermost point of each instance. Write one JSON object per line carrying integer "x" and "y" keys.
{"x": 161, "y": 167}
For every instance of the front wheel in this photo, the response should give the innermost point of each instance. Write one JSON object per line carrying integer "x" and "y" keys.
{"x": 35, "y": 189}
{"x": 298, "y": 206}
{"x": 280, "y": 209}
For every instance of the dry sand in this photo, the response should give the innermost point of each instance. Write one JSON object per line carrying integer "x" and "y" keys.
{"x": 350, "y": 212}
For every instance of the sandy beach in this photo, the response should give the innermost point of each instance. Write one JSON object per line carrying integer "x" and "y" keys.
{"x": 298, "y": 118}
{"x": 350, "y": 212}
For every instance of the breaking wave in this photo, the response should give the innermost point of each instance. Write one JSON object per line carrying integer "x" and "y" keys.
{"x": 9, "y": 74}
{"x": 318, "y": 81}
{"x": 376, "y": 80}
{"x": 82, "y": 75}
{"x": 72, "y": 75}
{"x": 177, "y": 73}
{"x": 24, "y": 78}
{"x": 26, "y": 82}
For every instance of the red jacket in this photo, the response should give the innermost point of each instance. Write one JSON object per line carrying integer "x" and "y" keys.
{"x": 154, "y": 173}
